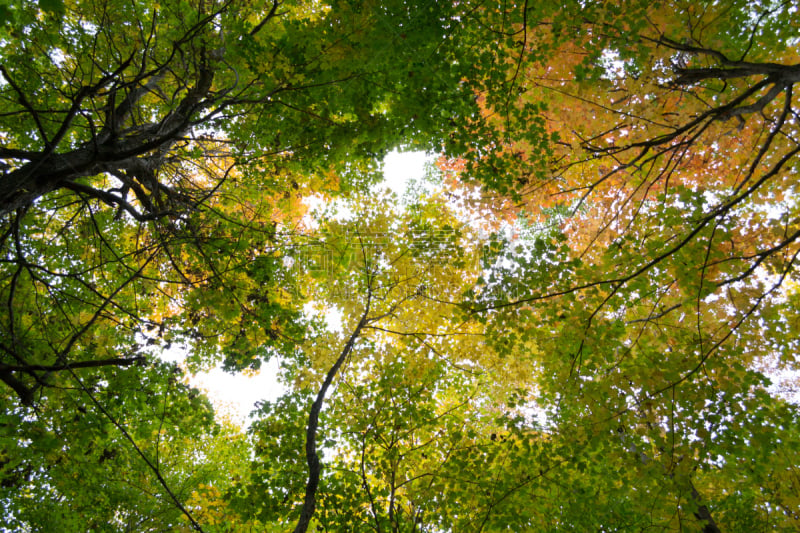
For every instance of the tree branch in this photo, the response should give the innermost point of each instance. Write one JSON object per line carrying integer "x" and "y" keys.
{"x": 270, "y": 15}
{"x": 314, "y": 466}
{"x": 27, "y": 105}
{"x": 114, "y": 361}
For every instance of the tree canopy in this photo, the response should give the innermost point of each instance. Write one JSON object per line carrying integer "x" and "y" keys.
{"x": 584, "y": 318}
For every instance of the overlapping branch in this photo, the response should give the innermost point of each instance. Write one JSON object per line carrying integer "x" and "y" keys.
{"x": 123, "y": 139}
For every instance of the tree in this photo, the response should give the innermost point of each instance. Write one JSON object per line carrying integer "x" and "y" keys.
{"x": 153, "y": 156}
{"x": 105, "y": 456}
{"x": 135, "y": 152}
{"x": 139, "y": 93}
{"x": 394, "y": 327}
{"x": 570, "y": 336}
{"x": 660, "y": 242}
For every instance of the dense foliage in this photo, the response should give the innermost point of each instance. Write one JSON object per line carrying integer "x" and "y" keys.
{"x": 585, "y": 318}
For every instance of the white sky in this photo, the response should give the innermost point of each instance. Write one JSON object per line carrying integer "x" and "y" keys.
{"x": 400, "y": 167}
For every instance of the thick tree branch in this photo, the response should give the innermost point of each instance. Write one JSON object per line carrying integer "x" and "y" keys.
{"x": 114, "y": 361}
{"x": 270, "y": 15}
{"x": 24, "y": 393}
{"x": 314, "y": 466}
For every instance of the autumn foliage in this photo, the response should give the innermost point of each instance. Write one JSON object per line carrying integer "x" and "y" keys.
{"x": 583, "y": 318}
